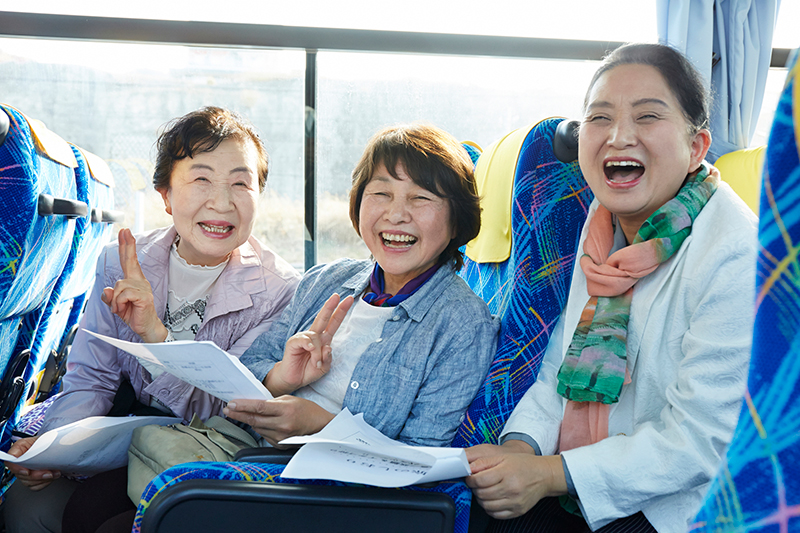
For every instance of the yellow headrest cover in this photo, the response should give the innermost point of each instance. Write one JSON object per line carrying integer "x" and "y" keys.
{"x": 796, "y": 101}
{"x": 494, "y": 177}
{"x": 742, "y": 171}
{"x": 51, "y": 144}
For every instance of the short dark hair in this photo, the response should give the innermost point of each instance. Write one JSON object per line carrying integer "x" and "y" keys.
{"x": 435, "y": 161}
{"x": 681, "y": 77}
{"x": 202, "y": 131}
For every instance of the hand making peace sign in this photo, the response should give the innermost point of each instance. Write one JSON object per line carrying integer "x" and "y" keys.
{"x": 307, "y": 355}
{"x": 131, "y": 299}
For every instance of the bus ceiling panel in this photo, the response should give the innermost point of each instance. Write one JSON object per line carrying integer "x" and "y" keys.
{"x": 259, "y": 35}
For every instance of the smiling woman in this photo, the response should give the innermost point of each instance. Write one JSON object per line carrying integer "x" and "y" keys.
{"x": 204, "y": 278}
{"x": 403, "y": 339}
{"x": 640, "y": 388}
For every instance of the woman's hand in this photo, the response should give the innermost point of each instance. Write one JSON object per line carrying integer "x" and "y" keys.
{"x": 507, "y": 483}
{"x": 307, "y": 355}
{"x": 33, "y": 479}
{"x": 131, "y": 299}
{"x": 280, "y": 418}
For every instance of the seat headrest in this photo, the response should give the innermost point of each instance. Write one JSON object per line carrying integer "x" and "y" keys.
{"x": 565, "y": 141}
{"x": 4, "y": 125}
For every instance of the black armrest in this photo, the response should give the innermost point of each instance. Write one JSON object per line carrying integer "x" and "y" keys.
{"x": 5, "y": 124}
{"x": 107, "y": 216}
{"x": 206, "y": 505}
{"x": 265, "y": 455}
{"x": 13, "y": 384}
{"x": 49, "y": 206}
{"x": 565, "y": 141}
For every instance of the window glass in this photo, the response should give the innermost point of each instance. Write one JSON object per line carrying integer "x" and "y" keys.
{"x": 786, "y": 34}
{"x": 112, "y": 99}
{"x": 475, "y": 99}
{"x": 776, "y": 78}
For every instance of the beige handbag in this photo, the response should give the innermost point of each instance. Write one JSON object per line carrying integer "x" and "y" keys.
{"x": 155, "y": 448}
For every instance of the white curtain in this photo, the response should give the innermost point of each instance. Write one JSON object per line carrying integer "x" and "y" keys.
{"x": 735, "y": 36}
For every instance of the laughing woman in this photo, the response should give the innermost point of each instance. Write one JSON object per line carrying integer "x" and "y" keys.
{"x": 403, "y": 339}
{"x": 640, "y": 388}
{"x": 205, "y": 278}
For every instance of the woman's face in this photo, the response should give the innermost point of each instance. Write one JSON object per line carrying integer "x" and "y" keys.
{"x": 405, "y": 226}
{"x": 635, "y": 148}
{"x": 213, "y": 200}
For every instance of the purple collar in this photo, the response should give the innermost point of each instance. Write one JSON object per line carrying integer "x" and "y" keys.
{"x": 378, "y": 298}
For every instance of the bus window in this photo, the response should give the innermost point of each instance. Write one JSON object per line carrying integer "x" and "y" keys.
{"x": 113, "y": 98}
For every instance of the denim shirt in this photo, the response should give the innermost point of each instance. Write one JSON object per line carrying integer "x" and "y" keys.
{"x": 415, "y": 382}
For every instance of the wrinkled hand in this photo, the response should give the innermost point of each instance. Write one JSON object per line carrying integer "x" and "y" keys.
{"x": 33, "y": 479}
{"x": 508, "y": 484}
{"x": 307, "y": 355}
{"x": 131, "y": 299}
{"x": 280, "y": 418}
{"x": 490, "y": 450}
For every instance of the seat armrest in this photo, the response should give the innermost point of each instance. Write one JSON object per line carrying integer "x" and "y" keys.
{"x": 265, "y": 455}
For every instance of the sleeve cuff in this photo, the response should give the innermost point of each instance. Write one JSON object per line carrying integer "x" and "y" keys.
{"x": 524, "y": 438}
{"x": 570, "y": 484}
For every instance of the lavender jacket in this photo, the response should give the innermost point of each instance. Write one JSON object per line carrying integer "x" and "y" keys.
{"x": 249, "y": 295}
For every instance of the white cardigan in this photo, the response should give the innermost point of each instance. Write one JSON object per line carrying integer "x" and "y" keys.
{"x": 689, "y": 339}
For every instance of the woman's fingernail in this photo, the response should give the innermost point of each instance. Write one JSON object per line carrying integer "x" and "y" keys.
{"x": 23, "y": 472}
{"x": 231, "y": 405}
{"x": 47, "y": 475}
{"x": 319, "y": 364}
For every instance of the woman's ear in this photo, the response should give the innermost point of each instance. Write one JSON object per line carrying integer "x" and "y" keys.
{"x": 165, "y": 196}
{"x": 701, "y": 142}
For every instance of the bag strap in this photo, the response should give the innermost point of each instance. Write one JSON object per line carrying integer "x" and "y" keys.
{"x": 225, "y": 427}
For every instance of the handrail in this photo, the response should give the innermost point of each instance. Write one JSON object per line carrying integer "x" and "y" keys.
{"x": 39, "y": 25}
{"x": 18, "y": 24}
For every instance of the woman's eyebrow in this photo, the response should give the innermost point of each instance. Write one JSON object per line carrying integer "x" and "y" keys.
{"x": 599, "y": 103}
{"x": 645, "y": 101}
{"x": 240, "y": 169}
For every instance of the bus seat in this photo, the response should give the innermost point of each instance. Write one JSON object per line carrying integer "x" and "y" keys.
{"x": 38, "y": 199}
{"x": 92, "y": 233}
{"x": 742, "y": 171}
{"x": 528, "y": 290}
{"x": 757, "y": 486}
{"x": 474, "y": 150}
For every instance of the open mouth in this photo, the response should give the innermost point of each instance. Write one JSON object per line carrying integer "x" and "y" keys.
{"x": 393, "y": 240}
{"x": 219, "y": 230}
{"x": 623, "y": 171}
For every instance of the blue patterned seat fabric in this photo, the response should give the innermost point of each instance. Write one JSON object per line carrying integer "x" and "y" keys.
{"x": 57, "y": 310}
{"x": 529, "y": 290}
{"x": 33, "y": 249}
{"x": 473, "y": 152}
{"x": 66, "y": 302}
{"x": 757, "y": 488}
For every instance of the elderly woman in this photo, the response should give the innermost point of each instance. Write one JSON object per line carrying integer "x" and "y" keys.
{"x": 205, "y": 278}
{"x": 408, "y": 343}
{"x": 640, "y": 388}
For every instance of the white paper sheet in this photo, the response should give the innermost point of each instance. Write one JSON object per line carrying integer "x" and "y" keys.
{"x": 201, "y": 364}
{"x": 349, "y": 449}
{"x": 86, "y": 447}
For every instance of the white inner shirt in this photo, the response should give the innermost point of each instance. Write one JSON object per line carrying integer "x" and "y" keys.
{"x": 188, "y": 290}
{"x": 361, "y": 327}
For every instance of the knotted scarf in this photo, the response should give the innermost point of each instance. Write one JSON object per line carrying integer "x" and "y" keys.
{"x": 595, "y": 366}
{"x": 378, "y": 298}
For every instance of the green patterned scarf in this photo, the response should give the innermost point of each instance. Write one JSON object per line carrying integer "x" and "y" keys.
{"x": 594, "y": 366}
